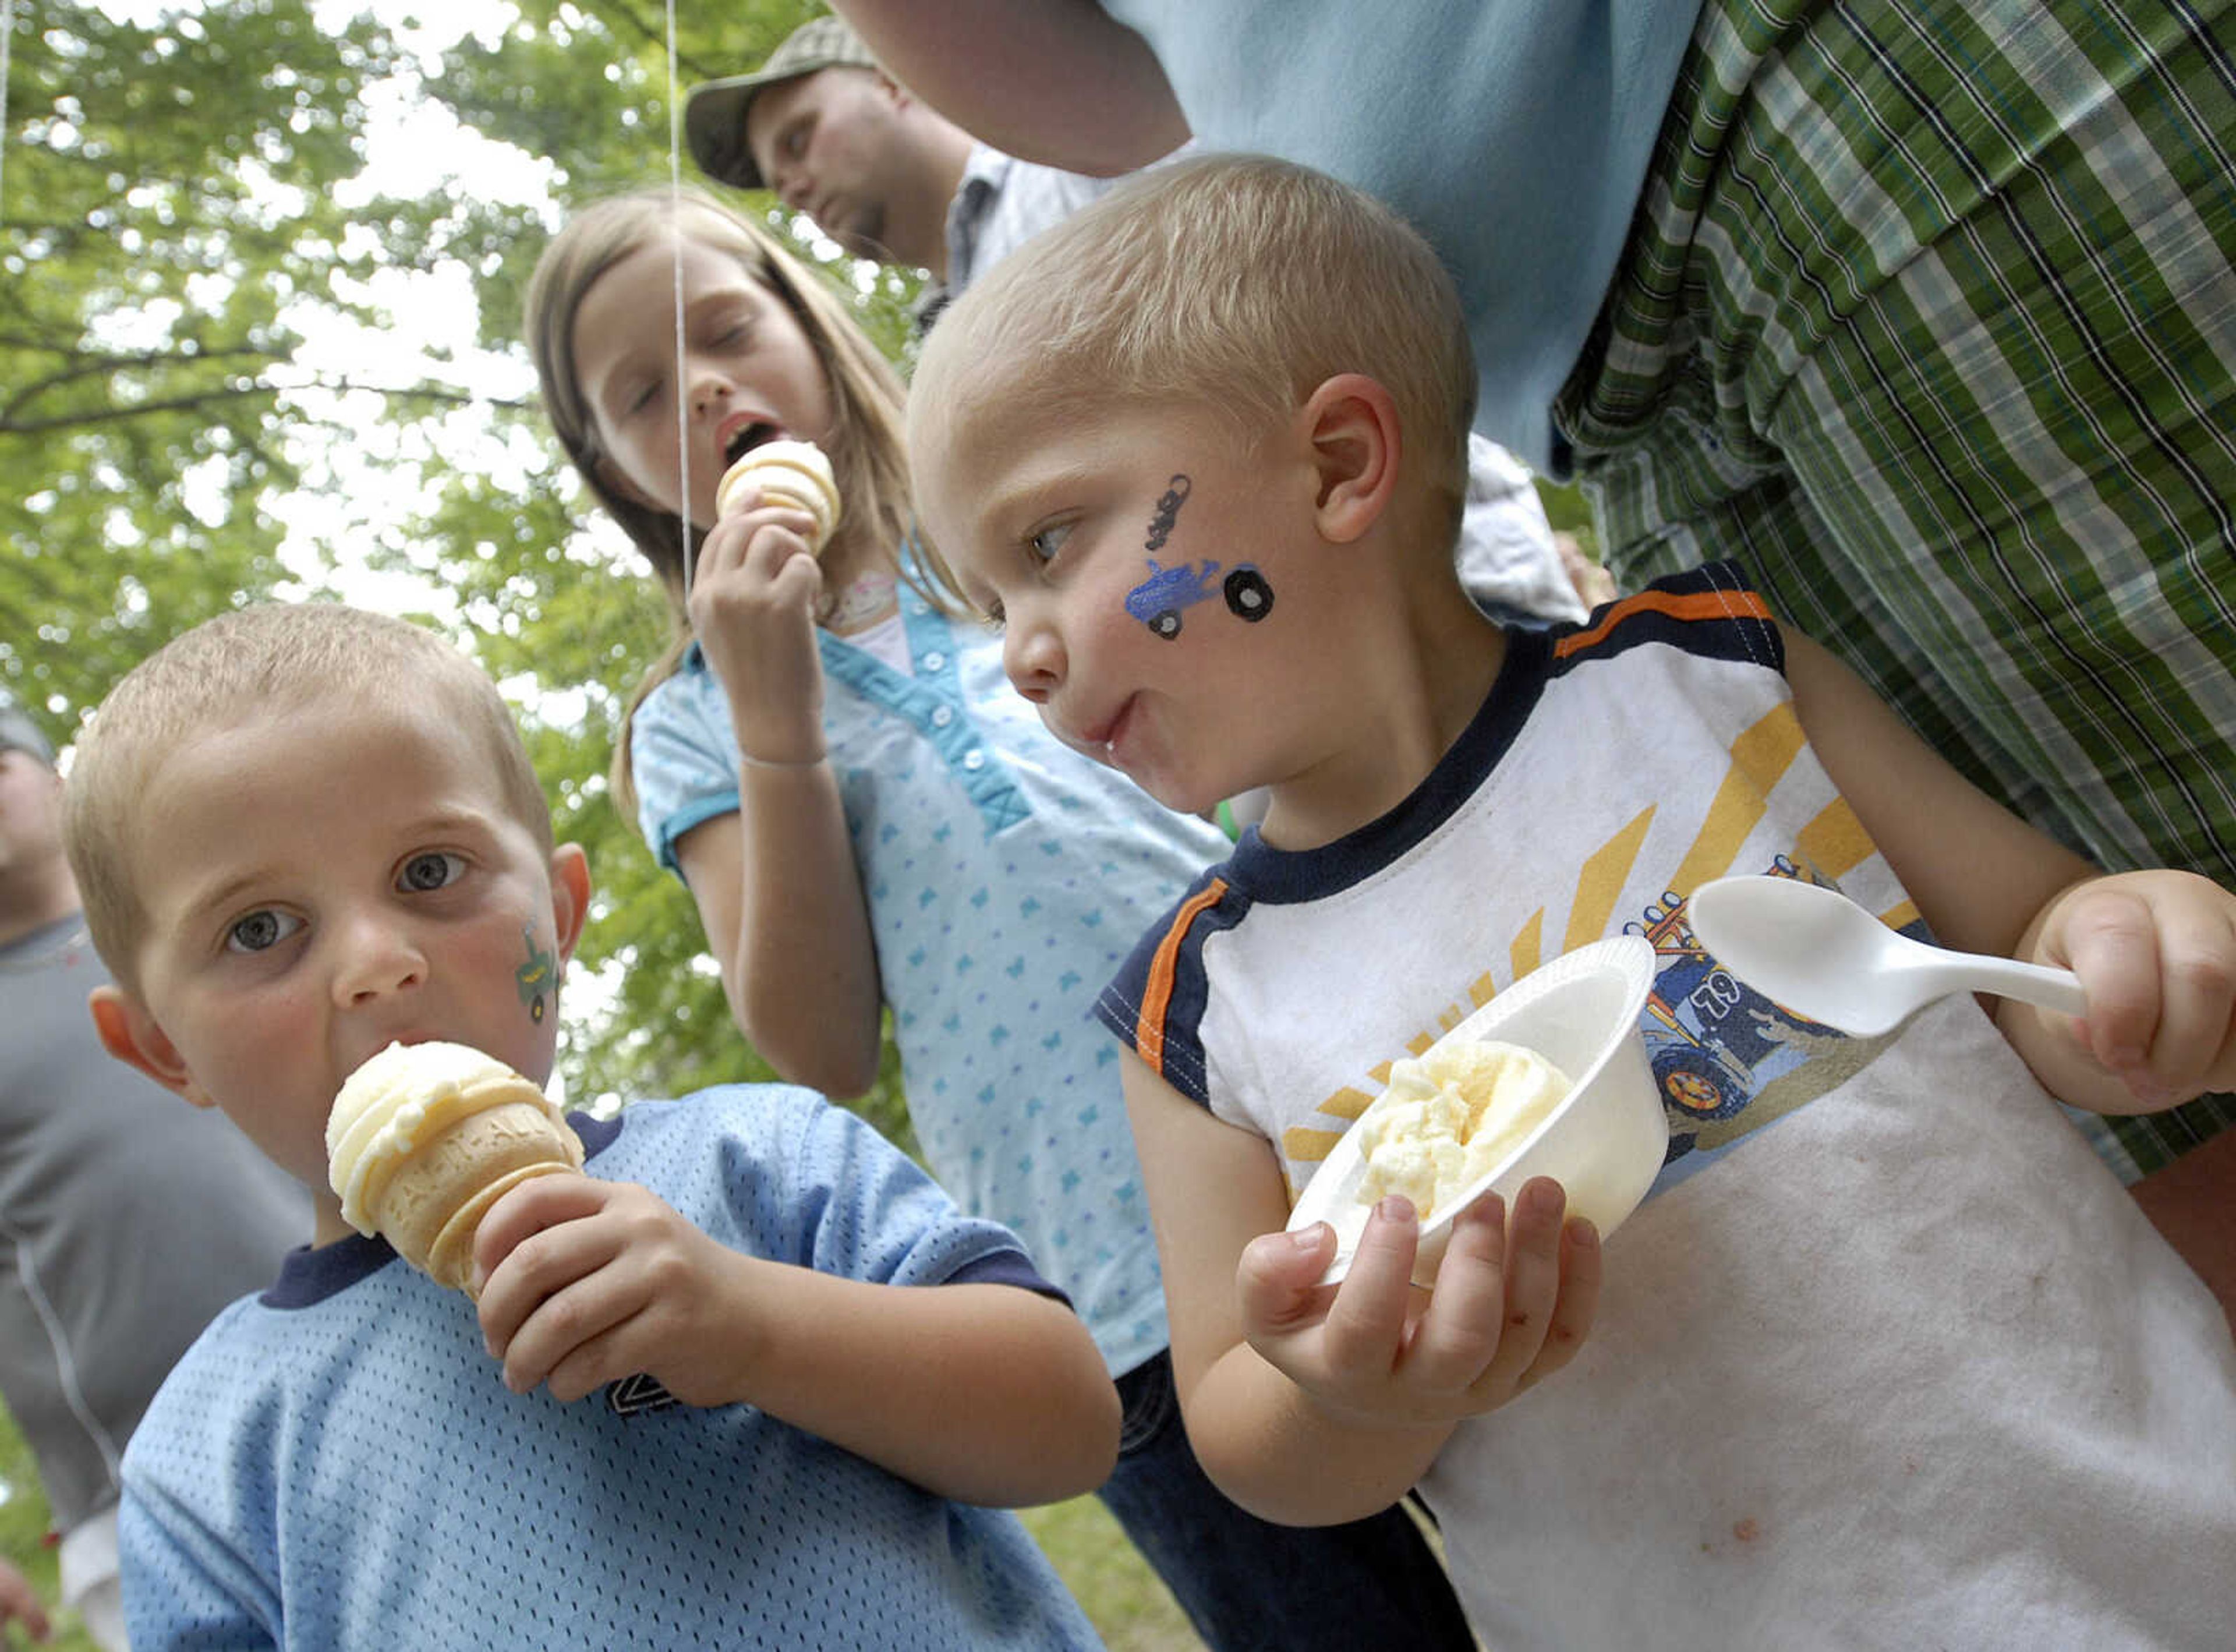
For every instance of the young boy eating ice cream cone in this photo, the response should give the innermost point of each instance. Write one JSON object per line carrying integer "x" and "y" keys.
{"x": 305, "y": 833}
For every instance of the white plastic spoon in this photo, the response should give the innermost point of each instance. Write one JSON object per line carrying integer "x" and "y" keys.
{"x": 1827, "y": 959}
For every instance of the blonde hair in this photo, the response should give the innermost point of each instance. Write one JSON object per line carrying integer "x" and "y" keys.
{"x": 868, "y": 456}
{"x": 225, "y": 672}
{"x": 1235, "y": 283}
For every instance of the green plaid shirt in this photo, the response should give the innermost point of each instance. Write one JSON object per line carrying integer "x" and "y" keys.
{"x": 1929, "y": 318}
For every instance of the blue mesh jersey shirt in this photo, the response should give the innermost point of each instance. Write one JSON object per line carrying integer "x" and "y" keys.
{"x": 1007, "y": 877}
{"x": 338, "y": 1464}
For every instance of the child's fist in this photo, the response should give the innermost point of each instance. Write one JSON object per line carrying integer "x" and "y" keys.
{"x": 2156, "y": 952}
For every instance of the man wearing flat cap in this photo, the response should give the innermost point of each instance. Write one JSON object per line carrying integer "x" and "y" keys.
{"x": 877, "y": 169}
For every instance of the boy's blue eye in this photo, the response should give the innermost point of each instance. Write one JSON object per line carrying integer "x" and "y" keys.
{"x": 1049, "y": 541}
{"x": 424, "y": 873}
{"x": 260, "y": 931}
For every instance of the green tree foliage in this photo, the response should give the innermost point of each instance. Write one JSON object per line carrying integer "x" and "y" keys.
{"x": 178, "y": 196}
{"x": 162, "y": 187}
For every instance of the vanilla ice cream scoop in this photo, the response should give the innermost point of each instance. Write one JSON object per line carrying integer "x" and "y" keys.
{"x": 1592, "y": 1120}
{"x": 1449, "y": 1118}
{"x": 424, "y": 1138}
{"x": 792, "y": 473}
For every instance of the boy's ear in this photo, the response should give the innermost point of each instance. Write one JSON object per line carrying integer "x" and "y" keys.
{"x": 130, "y": 1033}
{"x": 570, "y": 896}
{"x": 1352, "y": 422}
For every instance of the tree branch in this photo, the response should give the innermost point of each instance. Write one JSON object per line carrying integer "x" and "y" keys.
{"x": 90, "y": 364}
{"x": 112, "y": 415}
{"x": 436, "y": 393}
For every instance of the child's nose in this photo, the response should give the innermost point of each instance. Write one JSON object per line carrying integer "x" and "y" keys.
{"x": 1033, "y": 659}
{"x": 378, "y": 959}
{"x": 710, "y": 389}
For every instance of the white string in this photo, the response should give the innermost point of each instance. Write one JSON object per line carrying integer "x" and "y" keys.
{"x": 675, "y": 247}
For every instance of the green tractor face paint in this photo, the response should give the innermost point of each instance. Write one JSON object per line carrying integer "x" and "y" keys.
{"x": 537, "y": 976}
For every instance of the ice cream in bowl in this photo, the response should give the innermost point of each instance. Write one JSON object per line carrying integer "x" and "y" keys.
{"x": 1549, "y": 1078}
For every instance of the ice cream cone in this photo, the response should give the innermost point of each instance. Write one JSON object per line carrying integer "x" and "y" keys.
{"x": 793, "y": 473}
{"x": 424, "y": 1139}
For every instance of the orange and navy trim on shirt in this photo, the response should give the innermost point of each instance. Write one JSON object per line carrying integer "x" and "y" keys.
{"x": 1155, "y": 1005}
{"x": 1164, "y": 968}
{"x": 1706, "y": 610}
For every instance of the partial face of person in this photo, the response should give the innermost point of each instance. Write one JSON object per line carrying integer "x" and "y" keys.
{"x": 1162, "y": 590}
{"x": 830, "y": 145}
{"x": 30, "y": 817}
{"x": 327, "y": 880}
{"x": 750, "y": 374}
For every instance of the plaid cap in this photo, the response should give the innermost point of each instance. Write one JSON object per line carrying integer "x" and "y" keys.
{"x": 715, "y": 117}
{"x": 19, "y": 734}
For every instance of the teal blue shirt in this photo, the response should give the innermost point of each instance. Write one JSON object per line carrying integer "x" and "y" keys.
{"x": 1514, "y": 134}
{"x": 1007, "y": 878}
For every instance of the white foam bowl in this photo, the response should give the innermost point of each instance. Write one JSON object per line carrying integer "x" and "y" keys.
{"x": 1604, "y": 1143}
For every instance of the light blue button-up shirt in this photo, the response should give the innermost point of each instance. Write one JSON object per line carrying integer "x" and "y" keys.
{"x": 1008, "y": 878}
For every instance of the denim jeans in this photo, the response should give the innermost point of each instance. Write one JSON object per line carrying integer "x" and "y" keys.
{"x": 1251, "y": 1586}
